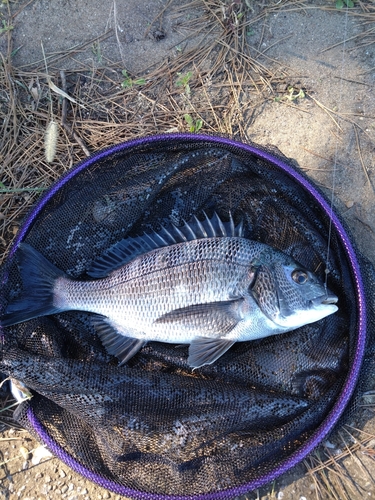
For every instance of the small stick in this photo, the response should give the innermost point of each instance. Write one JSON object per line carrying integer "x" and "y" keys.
{"x": 360, "y": 154}
{"x": 158, "y": 16}
{"x": 64, "y": 121}
{"x": 326, "y": 110}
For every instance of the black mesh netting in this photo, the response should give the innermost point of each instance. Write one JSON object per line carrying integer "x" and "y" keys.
{"x": 154, "y": 425}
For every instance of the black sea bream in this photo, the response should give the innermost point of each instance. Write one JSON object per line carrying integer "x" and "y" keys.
{"x": 202, "y": 284}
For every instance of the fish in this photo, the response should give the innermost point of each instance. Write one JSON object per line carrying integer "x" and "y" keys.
{"x": 202, "y": 284}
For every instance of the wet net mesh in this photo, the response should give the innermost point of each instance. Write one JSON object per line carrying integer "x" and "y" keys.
{"x": 154, "y": 425}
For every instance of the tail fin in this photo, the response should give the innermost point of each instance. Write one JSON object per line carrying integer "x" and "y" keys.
{"x": 38, "y": 279}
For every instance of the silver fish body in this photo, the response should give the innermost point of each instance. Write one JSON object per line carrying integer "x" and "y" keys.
{"x": 207, "y": 291}
{"x": 176, "y": 293}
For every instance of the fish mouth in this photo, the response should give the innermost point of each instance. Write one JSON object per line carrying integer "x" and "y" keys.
{"x": 330, "y": 300}
{"x": 324, "y": 300}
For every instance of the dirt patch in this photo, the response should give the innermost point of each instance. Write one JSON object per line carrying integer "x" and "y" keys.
{"x": 296, "y": 75}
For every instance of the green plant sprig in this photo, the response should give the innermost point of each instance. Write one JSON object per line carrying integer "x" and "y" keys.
{"x": 129, "y": 82}
{"x": 4, "y": 189}
{"x": 6, "y": 27}
{"x": 341, "y": 3}
{"x": 194, "y": 126}
{"x": 183, "y": 81}
{"x": 291, "y": 95}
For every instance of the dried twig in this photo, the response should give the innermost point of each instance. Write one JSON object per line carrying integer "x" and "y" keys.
{"x": 64, "y": 121}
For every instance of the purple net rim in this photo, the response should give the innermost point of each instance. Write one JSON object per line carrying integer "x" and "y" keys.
{"x": 353, "y": 374}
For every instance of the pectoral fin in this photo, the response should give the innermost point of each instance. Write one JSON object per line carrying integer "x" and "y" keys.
{"x": 220, "y": 317}
{"x": 204, "y": 351}
{"x": 116, "y": 343}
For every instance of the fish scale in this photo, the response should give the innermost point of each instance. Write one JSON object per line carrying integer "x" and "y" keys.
{"x": 204, "y": 280}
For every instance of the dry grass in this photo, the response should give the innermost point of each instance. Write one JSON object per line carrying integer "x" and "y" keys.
{"x": 226, "y": 80}
{"x": 344, "y": 471}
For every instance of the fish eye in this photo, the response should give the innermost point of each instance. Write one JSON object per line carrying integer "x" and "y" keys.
{"x": 300, "y": 277}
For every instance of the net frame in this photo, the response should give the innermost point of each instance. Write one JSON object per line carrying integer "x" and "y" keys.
{"x": 359, "y": 349}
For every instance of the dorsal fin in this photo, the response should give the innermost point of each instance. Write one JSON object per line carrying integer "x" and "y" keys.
{"x": 120, "y": 253}
{"x": 129, "y": 248}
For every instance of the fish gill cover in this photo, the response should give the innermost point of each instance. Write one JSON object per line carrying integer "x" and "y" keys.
{"x": 154, "y": 426}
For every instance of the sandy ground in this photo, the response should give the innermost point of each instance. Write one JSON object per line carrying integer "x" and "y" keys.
{"x": 330, "y": 132}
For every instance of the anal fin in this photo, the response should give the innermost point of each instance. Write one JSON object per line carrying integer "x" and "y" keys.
{"x": 117, "y": 344}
